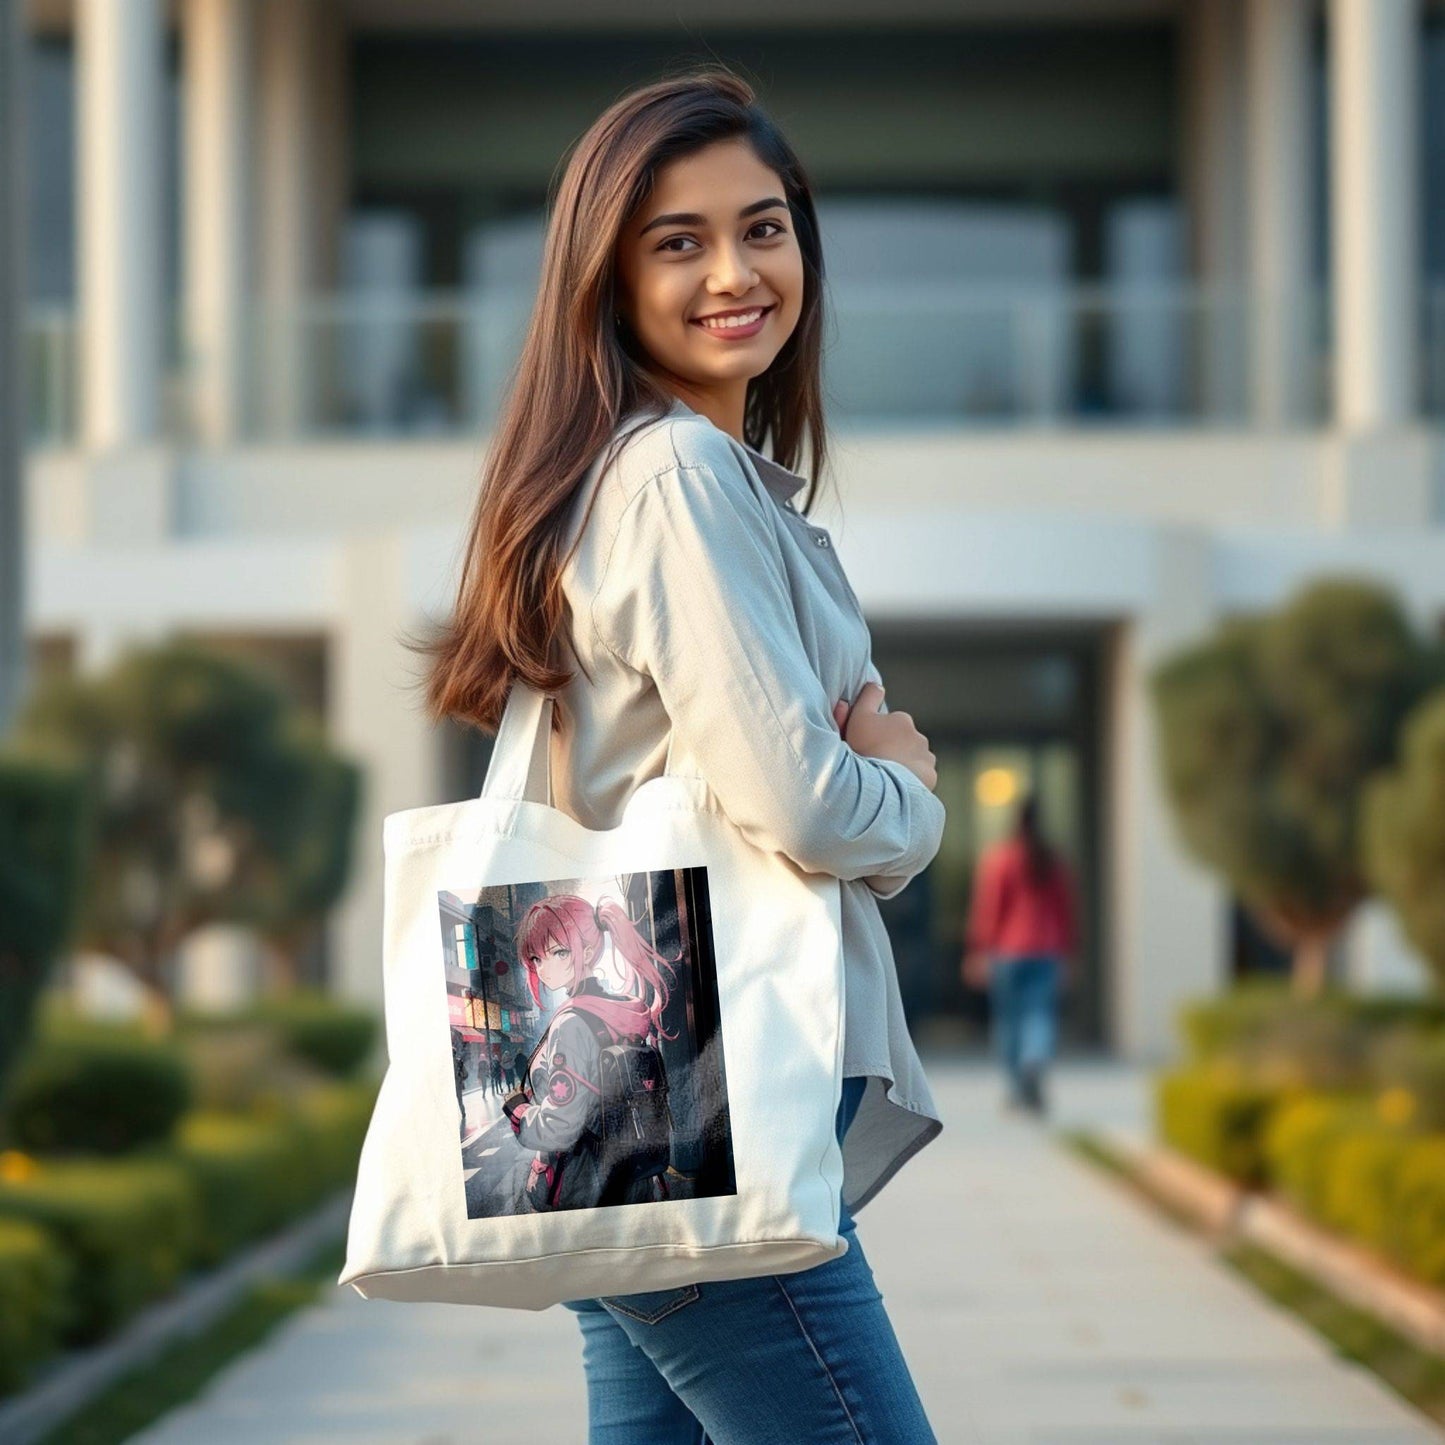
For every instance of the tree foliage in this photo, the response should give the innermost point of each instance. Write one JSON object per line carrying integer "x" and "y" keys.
{"x": 1268, "y": 732}
{"x": 43, "y": 836}
{"x": 1404, "y": 833}
{"x": 216, "y": 799}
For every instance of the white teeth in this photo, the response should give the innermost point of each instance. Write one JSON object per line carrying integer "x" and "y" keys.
{"x": 728, "y": 323}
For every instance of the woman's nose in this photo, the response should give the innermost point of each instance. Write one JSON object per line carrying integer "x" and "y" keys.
{"x": 733, "y": 273}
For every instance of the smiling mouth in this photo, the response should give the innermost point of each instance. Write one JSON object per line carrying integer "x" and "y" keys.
{"x": 738, "y": 321}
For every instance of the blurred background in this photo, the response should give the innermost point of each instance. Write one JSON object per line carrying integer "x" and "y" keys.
{"x": 1136, "y": 362}
{"x": 1099, "y": 357}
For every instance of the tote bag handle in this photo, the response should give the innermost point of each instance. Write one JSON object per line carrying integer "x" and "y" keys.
{"x": 520, "y": 769}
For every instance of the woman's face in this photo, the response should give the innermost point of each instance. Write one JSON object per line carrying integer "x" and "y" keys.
{"x": 554, "y": 964}
{"x": 715, "y": 236}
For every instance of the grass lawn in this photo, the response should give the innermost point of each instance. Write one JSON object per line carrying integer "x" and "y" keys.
{"x": 182, "y": 1370}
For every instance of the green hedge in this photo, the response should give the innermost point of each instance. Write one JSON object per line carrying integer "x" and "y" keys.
{"x": 246, "y": 1174}
{"x": 1331, "y": 1043}
{"x": 129, "y": 1227}
{"x": 34, "y": 1283}
{"x": 317, "y": 1029}
{"x": 1299, "y": 1141}
{"x": 1361, "y": 1186}
{"x": 101, "y": 1090}
{"x": 254, "y": 1171}
{"x": 1417, "y": 1199}
{"x": 1216, "y": 1114}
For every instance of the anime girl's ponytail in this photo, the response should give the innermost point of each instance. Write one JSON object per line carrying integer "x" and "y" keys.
{"x": 642, "y": 964}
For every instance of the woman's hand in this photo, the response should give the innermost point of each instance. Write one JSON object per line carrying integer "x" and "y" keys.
{"x": 975, "y": 969}
{"x": 885, "y": 734}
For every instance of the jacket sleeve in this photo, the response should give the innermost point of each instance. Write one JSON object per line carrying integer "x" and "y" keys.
{"x": 694, "y": 594}
{"x": 890, "y": 884}
{"x": 983, "y": 918}
{"x": 557, "y": 1120}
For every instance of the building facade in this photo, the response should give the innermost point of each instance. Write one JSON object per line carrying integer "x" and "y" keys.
{"x": 1133, "y": 326}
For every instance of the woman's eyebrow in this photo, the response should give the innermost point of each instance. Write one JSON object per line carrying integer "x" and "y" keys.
{"x": 691, "y": 218}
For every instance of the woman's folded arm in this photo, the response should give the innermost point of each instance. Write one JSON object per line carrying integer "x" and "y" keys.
{"x": 694, "y": 594}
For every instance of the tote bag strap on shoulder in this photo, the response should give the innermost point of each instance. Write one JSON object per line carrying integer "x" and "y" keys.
{"x": 521, "y": 764}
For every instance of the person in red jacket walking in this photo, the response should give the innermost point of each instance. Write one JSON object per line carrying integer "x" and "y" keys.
{"x": 1021, "y": 938}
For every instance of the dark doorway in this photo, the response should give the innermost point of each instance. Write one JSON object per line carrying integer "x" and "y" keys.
{"x": 1007, "y": 708}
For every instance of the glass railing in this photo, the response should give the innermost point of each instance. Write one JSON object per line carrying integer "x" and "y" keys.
{"x": 437, "y": 363}
{"x": 52, "y": 389}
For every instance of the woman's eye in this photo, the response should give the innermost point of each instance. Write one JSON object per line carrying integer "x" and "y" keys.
{"x": 781, "y": 230}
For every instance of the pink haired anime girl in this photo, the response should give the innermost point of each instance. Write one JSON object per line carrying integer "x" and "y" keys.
{"x": 593, "y": 1103}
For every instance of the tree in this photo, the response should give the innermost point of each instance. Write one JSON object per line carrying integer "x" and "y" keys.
{"x": 1404, "y": 833}
{"x": 216, "y": 802}
{"x": 297, "y": 877}
{"x": 1268, "y": 732}
{"x": 43, "y": 836}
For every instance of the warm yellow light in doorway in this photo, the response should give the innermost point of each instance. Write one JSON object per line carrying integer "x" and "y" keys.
{"x": 996, "y": 787}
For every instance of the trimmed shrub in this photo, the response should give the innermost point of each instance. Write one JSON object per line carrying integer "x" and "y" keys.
{"x": 1298, "y": 1141}
{"x": 335, "y": 1037}
{"x": 231, "y": 1066}
{"x": 1415, "y": 1061}
{"x": 256, "y": 1170}
{"x": 99, "y": 1091}
{"x": 1216, "y": 1114}
{"x": 1234, "y": 1024}
{"x": 1418, "y": 1232}
{"x": 1360, "y": 1184}
{"x": 128, "y": 1227}
{"x": 315, "y": 1029}
{"x": 334, "y": 1118}
{"x": 249, "y": 1176}
{"x": 34, "y": 1283}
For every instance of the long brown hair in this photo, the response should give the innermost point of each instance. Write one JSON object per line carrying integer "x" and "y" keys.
{"x": 580, "y": 373}
{"x": 1040, "y": 858}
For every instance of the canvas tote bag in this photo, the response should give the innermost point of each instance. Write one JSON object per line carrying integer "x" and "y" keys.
{"x": 740, "y": 1171}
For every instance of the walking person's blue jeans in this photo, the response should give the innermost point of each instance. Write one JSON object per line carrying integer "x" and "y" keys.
{"x": 1023, "y": 1001}
{"x": 774, "y": 1360}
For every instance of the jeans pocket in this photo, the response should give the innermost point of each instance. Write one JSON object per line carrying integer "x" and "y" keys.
{"x": 652, "y": 1305}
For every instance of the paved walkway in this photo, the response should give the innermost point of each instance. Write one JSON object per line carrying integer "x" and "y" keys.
{"x": 1038, "y": 1304}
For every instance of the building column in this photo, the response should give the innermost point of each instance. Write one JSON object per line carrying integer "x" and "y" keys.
{"x": 118, "y": 51}
{"x": 1375, "y": 208}
{"x": 1212, "y": 63}
{"x": 217, "y": 60}
{"x": 291, "y": 201}
{"x": 1167, "y": 931}
{"x": 1276, "y": 54}
{"x": 375, "y": 714}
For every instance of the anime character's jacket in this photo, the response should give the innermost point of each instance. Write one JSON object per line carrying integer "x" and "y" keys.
{"x": 562, "y": 1114}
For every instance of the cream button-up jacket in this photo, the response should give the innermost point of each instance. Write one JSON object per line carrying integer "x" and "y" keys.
{"x": 703, "y": 601}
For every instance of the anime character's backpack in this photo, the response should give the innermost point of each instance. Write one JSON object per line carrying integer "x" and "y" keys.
{"x": 635, "y": 1130}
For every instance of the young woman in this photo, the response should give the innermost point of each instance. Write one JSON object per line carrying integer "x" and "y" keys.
{"x": 635, "y": 554}
{"x": 558, "y": 1112}
{"x": 1022, "y": 943}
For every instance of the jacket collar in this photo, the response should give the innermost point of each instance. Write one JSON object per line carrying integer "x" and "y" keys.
{"x": 778, "y": 479}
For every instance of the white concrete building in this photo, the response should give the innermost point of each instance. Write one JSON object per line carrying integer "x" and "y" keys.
{"x": 1134, "y": 327}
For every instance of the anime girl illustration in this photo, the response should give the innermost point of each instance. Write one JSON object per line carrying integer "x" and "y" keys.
{"x": 592, "y": 1104}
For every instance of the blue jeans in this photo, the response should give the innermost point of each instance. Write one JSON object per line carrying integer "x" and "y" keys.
{"x": 1023, "y": 999}
{"x": 773, "y": 1360}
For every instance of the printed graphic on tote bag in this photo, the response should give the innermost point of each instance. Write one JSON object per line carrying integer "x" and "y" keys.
{"x": 586, "y": 1042}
